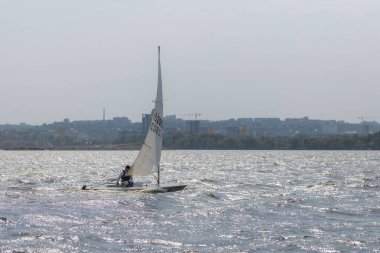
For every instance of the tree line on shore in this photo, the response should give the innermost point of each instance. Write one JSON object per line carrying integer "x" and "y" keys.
{"x": 35, "y": 140}
{"x": 299, "y": 142}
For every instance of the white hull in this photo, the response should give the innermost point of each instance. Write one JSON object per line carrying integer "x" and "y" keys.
{"x": 143, "y": 188}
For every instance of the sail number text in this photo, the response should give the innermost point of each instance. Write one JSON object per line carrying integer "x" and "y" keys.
{"x": 156, "y": 126}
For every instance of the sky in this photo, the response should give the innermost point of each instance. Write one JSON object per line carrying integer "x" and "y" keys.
{"x": 222, "y": 59}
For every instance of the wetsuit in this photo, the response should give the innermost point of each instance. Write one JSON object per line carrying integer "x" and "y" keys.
{"x": 124, "y": 179}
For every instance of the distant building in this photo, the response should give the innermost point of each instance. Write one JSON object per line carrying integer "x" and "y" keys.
{"x": 121, "y": 122}
{"x": 232, "y": 131}
{"x": 269, "y": 121}
{"x": 243, "y": 130}
{"x": 267, "y": 127}
{"x": 329, "y": 127}
{"x": 170, "y": 119}
{"x": 170, "y": 124}
{"x": 245, "y": 121}
{"x": 368, "y": 127}
{"x": 146, "y": 119}
{"x": 192, "y": 126}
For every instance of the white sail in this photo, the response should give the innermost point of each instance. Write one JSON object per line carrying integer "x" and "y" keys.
{"x": 148, "y": 159}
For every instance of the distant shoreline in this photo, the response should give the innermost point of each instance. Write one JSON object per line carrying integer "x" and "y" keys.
{"x": 219, "y": 142}
{"x": 82, "y": 147}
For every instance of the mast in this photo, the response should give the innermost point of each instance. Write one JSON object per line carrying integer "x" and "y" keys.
{"x": 158, "y": 176}
{"x": 159, "y": 93}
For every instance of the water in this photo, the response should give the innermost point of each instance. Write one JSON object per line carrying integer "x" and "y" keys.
{"x": 236, "y": 201}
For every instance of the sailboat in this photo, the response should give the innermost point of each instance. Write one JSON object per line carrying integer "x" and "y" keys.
{"x": 148, "y": 159}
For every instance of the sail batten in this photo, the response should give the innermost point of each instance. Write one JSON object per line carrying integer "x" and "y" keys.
{"x": 148, "y": 159}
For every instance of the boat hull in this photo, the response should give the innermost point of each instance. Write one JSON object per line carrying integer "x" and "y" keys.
{"x": 143, "y": 188}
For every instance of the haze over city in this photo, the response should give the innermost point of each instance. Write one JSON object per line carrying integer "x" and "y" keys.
{"x": 223, "y": 59}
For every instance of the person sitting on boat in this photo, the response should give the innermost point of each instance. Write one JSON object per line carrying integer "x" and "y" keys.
{"x": 124, "y": 179}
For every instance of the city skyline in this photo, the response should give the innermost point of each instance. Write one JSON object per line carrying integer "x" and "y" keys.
{"x": 189, "y": 117}
{"x": 222, "y": 59}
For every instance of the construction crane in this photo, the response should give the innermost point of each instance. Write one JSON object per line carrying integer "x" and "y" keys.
{"x": 196, "y": 115}
{"x": 362, "y": 118}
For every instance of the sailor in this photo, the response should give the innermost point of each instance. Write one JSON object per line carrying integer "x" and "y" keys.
{"x": 124, "y": 179}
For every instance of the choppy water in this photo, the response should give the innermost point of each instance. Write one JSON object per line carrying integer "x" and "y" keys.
{"x": 236, "y": 201}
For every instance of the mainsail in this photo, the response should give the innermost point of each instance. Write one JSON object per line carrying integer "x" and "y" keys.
{"x": 148, "y": 159}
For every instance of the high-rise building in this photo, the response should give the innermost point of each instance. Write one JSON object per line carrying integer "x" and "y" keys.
{"x": 192, "y": 126}
{"x": 146, "y": 119}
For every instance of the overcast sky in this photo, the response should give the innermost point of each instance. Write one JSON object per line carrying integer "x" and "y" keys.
{"x": 221, "y": 58}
